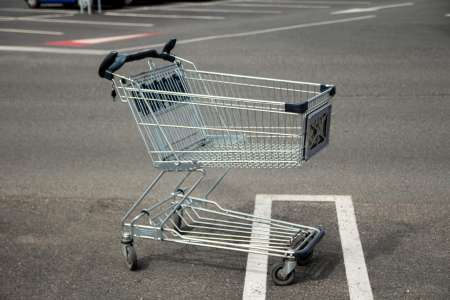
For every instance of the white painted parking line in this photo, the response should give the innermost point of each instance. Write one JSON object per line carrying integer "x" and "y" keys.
{"x": 274, "y": 5}
{"x": 100, "y": 40}
{"x": 62, "y": 15}
{"x": 53, "y": 50}
{"x": 447, "y": 15}
{"x": 186, "y": 41}
{"x": 255, "y": 277}
{"x": 69, "y": 21}
{"x": 215, "y": 10}
{"x": 254, "y": 32}
{"x": 44, "y": 32}
{"x": 370, "y": 9}
{"x": 311, "y": 2}
{"x": 7, "y": 18}
{"x": 151, "y": 7}
{"x": 354, "y": 262}
{"x": 307, "y": 2}
{"x": 136, "y": 15}
{"x": 57, "y": 11}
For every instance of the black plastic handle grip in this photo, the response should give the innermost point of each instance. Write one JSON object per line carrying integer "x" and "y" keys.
{"x": 114, "y": 60}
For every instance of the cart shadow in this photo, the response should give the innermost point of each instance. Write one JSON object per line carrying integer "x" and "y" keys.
{"x": 320, "y": 267}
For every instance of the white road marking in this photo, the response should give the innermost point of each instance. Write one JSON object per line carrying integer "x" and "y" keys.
{"x": 62, "y": 15}
{"x": 7, "y": 18}
{"x": 53, "y": 50}
{"x": 93, "y": 41}
{"x": 256, "y": 268}
{"x": 214, "y": 10}
{"x": 187, "y": 41}
{"x": 136, "y": 15}
{"x": 355, "y": 265}
{"x": 67, "y": 21}
{"x": 306, "y": 2}
{"x": 447, "y": 15}
{"x": 254, "y": 32}
{"x": 354, "y": 262}
{"x": 273, "y": 5}
{"x": 58, "y": 15}
{"x": 44, "y": 32}
{"x": 58, "y": 11}
{"x": 312, "y": 2}
{"x": 370, "y": 9}
{"x": 144, "y": 8}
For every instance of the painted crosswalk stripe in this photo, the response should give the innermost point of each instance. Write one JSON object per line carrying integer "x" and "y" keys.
{"x": 101, "y": 40}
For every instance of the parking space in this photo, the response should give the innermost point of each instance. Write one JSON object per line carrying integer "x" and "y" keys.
{"x": 71, "y": 161}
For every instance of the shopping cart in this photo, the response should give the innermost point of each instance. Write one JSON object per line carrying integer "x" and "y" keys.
{"x": 191, "y": 120}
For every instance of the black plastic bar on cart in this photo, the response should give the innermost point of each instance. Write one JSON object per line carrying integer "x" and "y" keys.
{"x": 115, "y": 60}
{"x": 301, "y": 108}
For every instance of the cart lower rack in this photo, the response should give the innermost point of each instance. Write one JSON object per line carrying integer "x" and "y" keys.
{"x": 191, "y": 120}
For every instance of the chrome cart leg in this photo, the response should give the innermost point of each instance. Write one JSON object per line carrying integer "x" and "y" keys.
{"x": 144, "y": 194}
{"x": 185, "y": 194}
{"x": 180, "y": 191}
{"x": 178, "y": 188}
{"x": 128, "y": 250}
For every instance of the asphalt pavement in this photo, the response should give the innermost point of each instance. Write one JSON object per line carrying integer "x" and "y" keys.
{"x": 72, "y": 162}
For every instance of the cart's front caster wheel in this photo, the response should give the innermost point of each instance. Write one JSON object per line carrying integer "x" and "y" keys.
{"x": 306, "y": 259}
{"x": 129, "y": 253}
{"x": 278, "y": 279}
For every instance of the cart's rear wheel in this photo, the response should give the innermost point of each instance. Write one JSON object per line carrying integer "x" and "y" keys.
{"x": 129, "y": 253}
{"x": 278, "y": 279}
{"x": 305, "y": 260}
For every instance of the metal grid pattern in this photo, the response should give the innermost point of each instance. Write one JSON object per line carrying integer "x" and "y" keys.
{"x": 205, "y": 223}
{"x": 218, "y": 120}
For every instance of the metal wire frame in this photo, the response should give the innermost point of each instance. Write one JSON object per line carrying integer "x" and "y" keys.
{"x": 216, "y": 119}
{"x": 204, "y": 222}
{"x": 191, "y": 119}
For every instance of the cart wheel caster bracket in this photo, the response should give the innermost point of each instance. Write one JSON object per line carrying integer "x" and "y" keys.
{"x": 283, "y": 273}
{"x": 130, "y": 255}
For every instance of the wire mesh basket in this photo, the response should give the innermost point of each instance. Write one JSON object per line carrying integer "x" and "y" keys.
{"x": 223, "y": 120}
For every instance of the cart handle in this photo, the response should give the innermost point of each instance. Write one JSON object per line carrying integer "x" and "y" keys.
{"x": 115, "y": 60}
